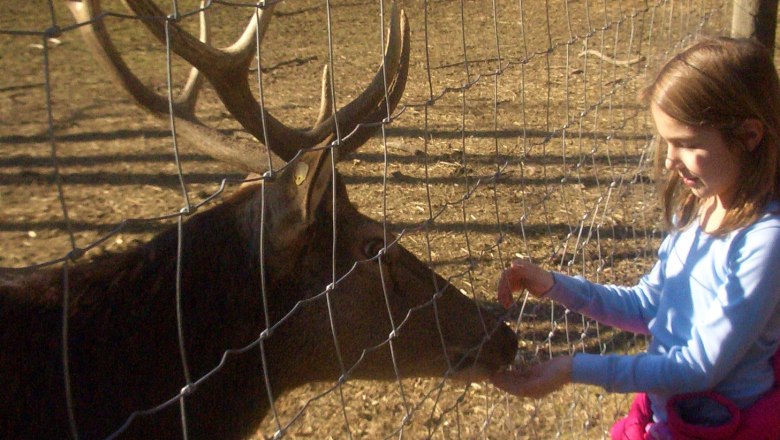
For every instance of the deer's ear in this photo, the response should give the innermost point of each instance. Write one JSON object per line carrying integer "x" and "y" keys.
{"x": 296, "y": 195}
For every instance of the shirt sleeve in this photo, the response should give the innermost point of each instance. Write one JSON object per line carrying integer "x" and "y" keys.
{"x": 627, "y": 308}
{"x": 746, "y": 303}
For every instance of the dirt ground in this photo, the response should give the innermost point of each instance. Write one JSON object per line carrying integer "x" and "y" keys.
{"x": 494, "y": 87}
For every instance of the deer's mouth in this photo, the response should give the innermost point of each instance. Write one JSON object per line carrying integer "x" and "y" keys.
{"x": 468, "y": 366}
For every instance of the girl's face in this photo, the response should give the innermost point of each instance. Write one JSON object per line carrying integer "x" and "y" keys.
{"x": 700, "y": 156}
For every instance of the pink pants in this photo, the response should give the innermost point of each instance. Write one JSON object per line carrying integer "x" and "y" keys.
{"x": 761, "y": 421}
{"x": 632, "y": 426}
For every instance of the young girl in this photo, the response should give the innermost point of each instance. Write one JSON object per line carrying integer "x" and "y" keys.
{"x": 712, "y": 301}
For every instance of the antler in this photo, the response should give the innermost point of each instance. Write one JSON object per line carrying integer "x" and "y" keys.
{"x": 226, "y": 69}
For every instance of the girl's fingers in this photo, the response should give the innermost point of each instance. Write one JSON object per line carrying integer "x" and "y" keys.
{"x": 537, "y": 381}
{"x": 510, "y": 281}
{"x": 504, "y": 290}
{"x": 518, "y": 263}
{"x": 521, "y": 384}
{"x": 509, "y": 381}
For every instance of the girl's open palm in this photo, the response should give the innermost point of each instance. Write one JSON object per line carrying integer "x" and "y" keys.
{"x": 538, "y": 381}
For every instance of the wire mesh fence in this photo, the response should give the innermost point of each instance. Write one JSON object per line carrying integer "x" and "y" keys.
{"x": 519, "y": 135}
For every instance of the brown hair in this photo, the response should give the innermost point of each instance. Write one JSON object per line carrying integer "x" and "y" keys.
{"x": 720, "y": 83}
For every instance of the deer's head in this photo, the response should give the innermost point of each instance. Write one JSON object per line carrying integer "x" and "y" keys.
{"x": 368, "y": 307}
{"x": 387, "y": 314}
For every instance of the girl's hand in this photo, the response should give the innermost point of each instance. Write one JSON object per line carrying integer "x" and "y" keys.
{"x": 538, "y": 381}
{"x": 522, "y": 274}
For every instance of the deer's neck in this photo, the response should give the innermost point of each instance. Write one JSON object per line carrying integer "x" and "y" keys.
{"x": 124, "y": 345}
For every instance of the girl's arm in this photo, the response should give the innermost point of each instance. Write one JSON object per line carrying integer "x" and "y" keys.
{"x": 626, "y": 308}
{"x": 745, "y": 314}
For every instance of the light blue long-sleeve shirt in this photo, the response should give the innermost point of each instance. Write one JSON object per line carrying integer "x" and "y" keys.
{"x": 712, "y": 307}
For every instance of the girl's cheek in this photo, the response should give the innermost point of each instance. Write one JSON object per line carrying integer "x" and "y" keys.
{"x": 698, "y": 162}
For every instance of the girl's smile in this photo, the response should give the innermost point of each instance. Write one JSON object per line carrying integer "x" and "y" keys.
{"x": 690, "y": 182}
{"x": 700, "y": 156}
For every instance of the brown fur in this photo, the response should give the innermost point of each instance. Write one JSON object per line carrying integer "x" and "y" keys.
{"x": 123, "y": 341}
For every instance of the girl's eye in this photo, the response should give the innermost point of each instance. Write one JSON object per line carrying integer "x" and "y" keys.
{"x": 686, "y": 145}
{"x": 373, "y": 247}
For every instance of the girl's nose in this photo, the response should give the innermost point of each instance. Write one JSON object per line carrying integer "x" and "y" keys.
{"x": 671, "y": 158}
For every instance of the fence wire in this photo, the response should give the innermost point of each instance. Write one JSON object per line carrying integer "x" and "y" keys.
{"x": 519, "y": 135}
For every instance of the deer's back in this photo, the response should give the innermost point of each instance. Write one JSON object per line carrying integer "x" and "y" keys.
{"x": 123, "y": 339}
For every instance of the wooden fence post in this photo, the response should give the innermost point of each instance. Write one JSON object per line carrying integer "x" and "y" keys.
{"x": 755, "y": 18}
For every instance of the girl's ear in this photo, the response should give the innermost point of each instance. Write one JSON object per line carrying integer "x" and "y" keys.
{"x": 751, "y": 132}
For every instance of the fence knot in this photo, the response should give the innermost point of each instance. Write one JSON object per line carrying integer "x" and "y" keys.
{"x": 265, "y": 334}
{"x": 188, "y": 210}
{"x": 173, "y": 17}
{"x": 268, "y": 176}
{"x": 75, "y": 254}
{"x": 188, "y": 390}
{"x": 52, "y": 32}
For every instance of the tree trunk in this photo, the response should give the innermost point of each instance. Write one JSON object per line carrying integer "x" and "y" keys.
{"x": 757, "y": 19}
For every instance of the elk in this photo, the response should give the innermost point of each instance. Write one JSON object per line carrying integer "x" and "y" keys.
{"x": 254, "y": 275}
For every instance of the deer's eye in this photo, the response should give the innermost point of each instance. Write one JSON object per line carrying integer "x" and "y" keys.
{"x": 373, "y": 247}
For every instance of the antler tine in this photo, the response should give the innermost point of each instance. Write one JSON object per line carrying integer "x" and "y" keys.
{"x": 326, "y": 98}
{"x": 370, "y": 106}
{"x": 243, "y": 155}
{"x": 206, "y": 58}
{"x": 94, "y": 32}
{"x": 189, "y": 94}
{"x": 396, "y": 83}
{"x": 367, "y": 108}
{"x": 226, "y": 70}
